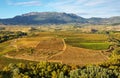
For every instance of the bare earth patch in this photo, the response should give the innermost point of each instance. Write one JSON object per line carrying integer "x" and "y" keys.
{"x": 80, "y": 56}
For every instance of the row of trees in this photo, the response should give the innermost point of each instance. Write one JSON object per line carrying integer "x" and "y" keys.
{"x": 39, "y": 70}
{"x": 57, "y": 70}
{"x": 7, "y": 35}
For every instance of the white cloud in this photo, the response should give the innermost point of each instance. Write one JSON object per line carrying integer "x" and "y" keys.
{"x": 86, "y": 8}
{"x": 94, "y": 2}
{"x": 25, "y": 3}
{"x": 69, "y": 6}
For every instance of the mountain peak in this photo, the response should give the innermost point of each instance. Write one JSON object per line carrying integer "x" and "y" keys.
{"x": 38, "y": 18}
{"x": 31, "y": 13}
{"x": 42, "y": 13}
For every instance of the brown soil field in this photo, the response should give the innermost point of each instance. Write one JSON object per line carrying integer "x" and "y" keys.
{"x": 80, "y": 56}
{"x": 44, "y": 49}
{"x": 29, "y": 42}
{"x": 51, "y": 44}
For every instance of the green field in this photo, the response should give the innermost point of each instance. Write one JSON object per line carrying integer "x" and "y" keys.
{"x": 94, "y": 46}
{"x": 89, "y": 41}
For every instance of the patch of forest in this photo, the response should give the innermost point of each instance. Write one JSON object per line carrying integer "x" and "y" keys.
{"x": 7, "y": 35}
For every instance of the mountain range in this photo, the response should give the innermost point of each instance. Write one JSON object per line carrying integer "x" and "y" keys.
{"x": 39, "y": 18}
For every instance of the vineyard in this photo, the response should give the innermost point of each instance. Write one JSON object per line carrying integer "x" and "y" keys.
{"x": 89, "y": 41}
{"x": 81, "y": 56}
{"x": 36, "y": 49}
{"x": 54, "y": 49}
{"x": 51, "y": 44}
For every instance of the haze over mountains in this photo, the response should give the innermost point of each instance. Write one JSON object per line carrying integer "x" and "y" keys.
{"x": 39, "y": 18}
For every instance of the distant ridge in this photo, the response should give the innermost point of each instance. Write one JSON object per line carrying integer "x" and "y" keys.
{"x": 39, "y": 18}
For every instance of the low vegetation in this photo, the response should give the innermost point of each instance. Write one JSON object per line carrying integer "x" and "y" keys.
{"x": 89, "y": 41}
{"x": 6, "y": 35}
{"x": 57, "y": 70}
{"x": 94, "y": 46}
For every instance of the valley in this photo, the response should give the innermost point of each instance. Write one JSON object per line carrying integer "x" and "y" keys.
{"x": 66, "y": 46}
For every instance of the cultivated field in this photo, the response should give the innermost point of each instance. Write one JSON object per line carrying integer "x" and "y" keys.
{"x": 80, "y": 56}
{"x": 37, "y": 49}
{"x": 88, "y": 41}
{"x": 77, "y": 49}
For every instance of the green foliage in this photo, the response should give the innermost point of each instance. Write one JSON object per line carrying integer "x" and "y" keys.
{"x": 6, "y": 35}
{"x": 89, "y": 43}
{"x": 116, "y": 51}
{"x": 94, "y": 46}
{"x": 94, "y": 72}
{"x": 57, "y": 70}
{"x": 40, "y": 70}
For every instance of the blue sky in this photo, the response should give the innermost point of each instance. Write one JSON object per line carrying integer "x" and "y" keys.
{"x": 84, "y": 8}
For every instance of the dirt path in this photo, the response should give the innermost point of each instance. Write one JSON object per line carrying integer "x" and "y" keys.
{"x": 64, "y": 48}
{"x": 104, "y": 55}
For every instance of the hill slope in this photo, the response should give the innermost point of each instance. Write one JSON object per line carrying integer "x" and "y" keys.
{"x": 38, "y": 18}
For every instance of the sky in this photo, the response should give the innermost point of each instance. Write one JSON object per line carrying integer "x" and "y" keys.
{"x": 83, "y": 8}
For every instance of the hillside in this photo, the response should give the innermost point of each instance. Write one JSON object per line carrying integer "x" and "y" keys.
{"x": 111, "y": 20}
{"x": 39, "y": 18}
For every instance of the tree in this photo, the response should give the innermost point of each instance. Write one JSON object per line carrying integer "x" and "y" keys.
{"x": 61, "y": 75}
{"x": 54, "y": 74}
